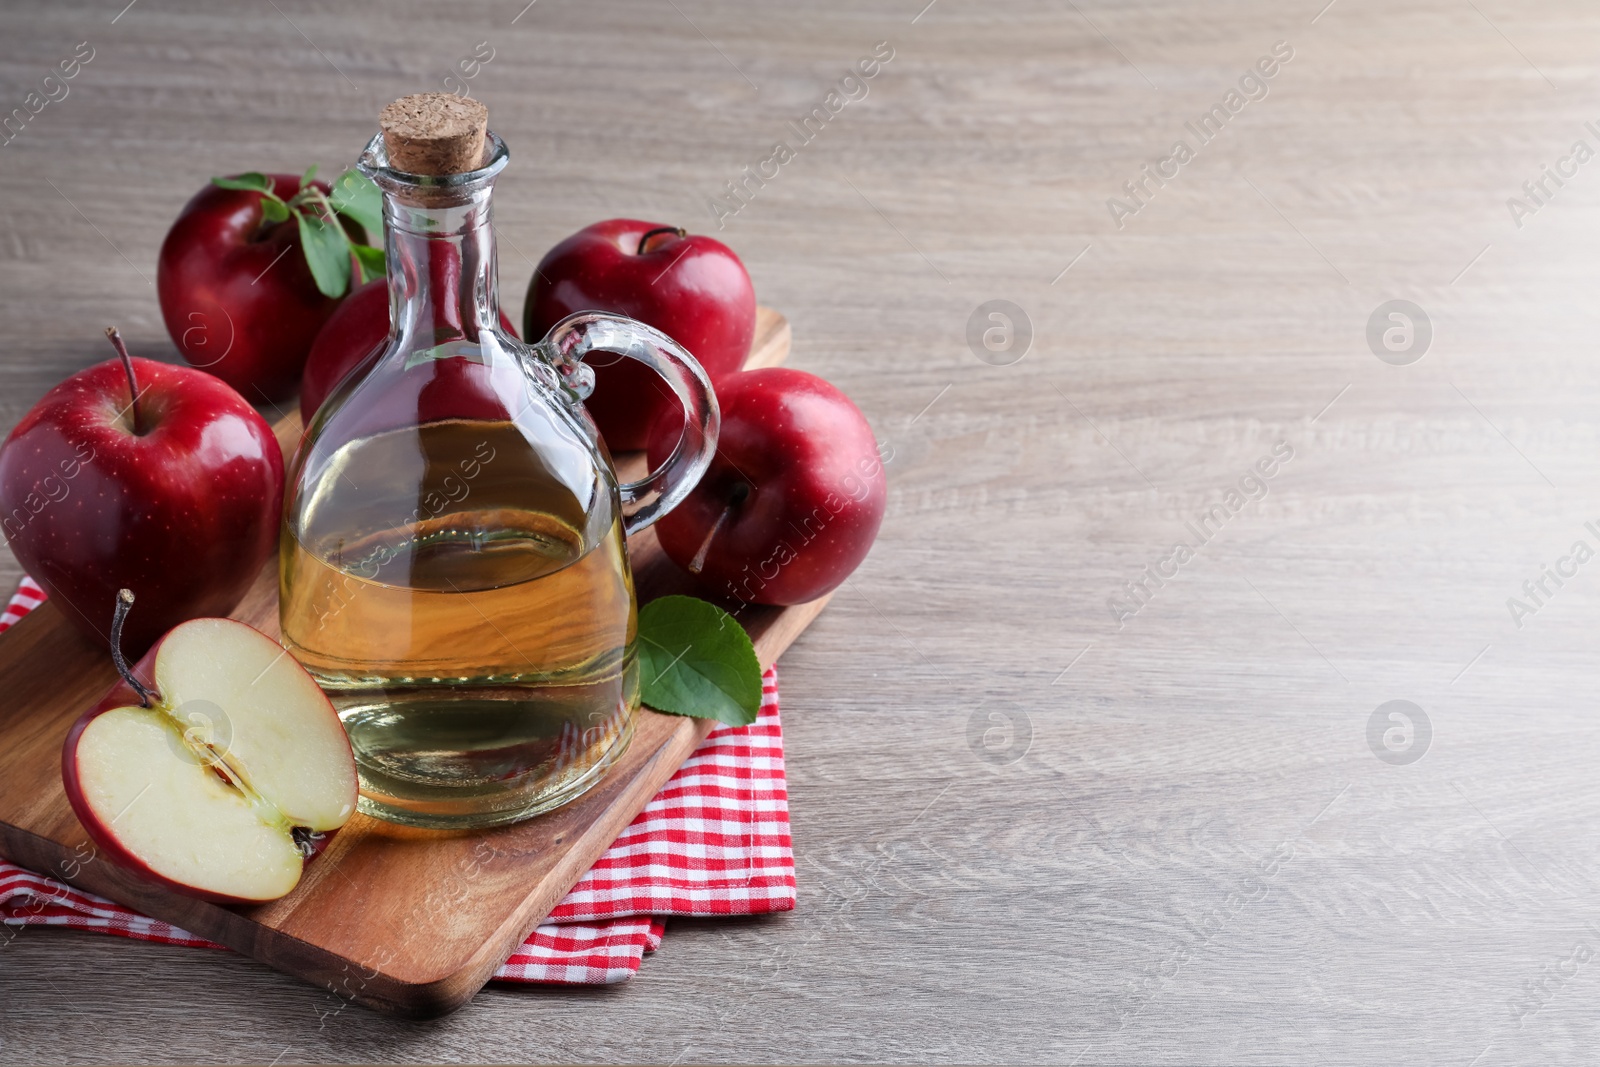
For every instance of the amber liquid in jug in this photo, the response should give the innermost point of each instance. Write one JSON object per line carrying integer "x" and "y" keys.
{"x": 482, "y": 658}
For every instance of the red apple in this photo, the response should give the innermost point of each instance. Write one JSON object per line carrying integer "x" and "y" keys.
{"x": 236, "y": 292}
{"x": 223, "y": 776}
{"x": 793, "y": 499}
{"x": 693, "y": 289}
{"x": 355, "y": 333}
{"x": 177, "y": 494}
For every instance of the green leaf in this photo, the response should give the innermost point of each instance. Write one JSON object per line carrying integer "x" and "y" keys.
{"x": 253, "y": 180}
{"x": 695, "y": 659}
{"x": 358, "y": 199}
{"x": 274, "y": 210}
{"x": 327, "y": 253}
{"x": 371, "y": 261}
{"x": 309, "y": 176}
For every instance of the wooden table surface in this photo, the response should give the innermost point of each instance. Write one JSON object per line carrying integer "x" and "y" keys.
{"x": 1035, "y": 819}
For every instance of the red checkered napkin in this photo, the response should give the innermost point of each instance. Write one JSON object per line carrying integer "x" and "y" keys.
{"x": 714, "y": 841}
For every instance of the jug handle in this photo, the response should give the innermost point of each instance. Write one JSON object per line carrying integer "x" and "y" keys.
{"x": 579, "y": 336}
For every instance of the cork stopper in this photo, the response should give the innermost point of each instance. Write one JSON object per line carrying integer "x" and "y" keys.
{"x": 434, "y": 133}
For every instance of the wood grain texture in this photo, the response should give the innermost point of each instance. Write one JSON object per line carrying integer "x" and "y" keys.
{"x": 409, "y": 922}
{"x": 1107, "y": 897}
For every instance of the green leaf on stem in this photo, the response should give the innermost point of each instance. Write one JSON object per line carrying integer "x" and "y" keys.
{"x": 358, "y": 199}
{"x": 274, "y": 210}
{"x": 696, "y": 660}
{"x": 327, "y": 253}
{"x": 309, "y": 176}
{"x": 370, "y": 260}
{"x": 252, "y": 180}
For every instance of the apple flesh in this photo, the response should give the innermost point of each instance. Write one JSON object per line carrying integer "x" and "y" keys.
{"x": 177, "y": 495}
{"x": 793, "y": 499}
{"x": 219, "y": 788}
{"x": 691, "y": 288}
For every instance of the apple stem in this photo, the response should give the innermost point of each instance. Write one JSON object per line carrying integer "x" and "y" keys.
{"x": 657, "y": 232}
{"x": 124, "y": 602}
{"x": 133, "y": 383}
{"x": 740, "y": 494}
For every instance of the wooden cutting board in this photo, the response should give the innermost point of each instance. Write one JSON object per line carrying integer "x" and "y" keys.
{"x": 407, "y": 921}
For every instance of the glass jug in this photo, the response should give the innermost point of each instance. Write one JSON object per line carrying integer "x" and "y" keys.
{"x": 454, "y": 568}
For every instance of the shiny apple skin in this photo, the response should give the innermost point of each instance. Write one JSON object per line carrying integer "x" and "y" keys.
{"x": 239, "y": 301}
{"x": 185, "y": 514}
{"x": 354, "y": 337}
{"x": 693, "y": 289}
{"x": 816, "y": 490}
{"x": 122, "y": 695}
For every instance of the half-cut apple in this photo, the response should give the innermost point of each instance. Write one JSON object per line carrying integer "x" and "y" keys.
{"x": 229, "y": 781}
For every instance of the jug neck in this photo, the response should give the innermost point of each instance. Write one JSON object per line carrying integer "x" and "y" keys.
{"x": 440, "y": 247}
{"x": 443, "y": 280}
